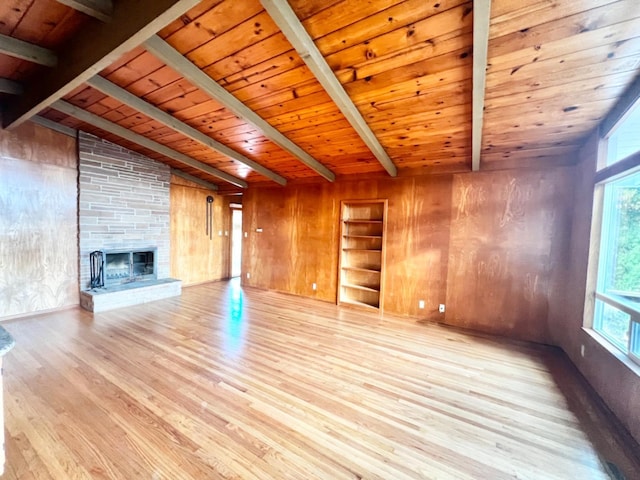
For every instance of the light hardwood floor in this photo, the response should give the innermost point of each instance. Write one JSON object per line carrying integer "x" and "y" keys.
{"x": 226, "y": 383}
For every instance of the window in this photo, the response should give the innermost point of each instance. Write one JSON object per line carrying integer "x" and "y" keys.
{"x": 625, "y": 139}
{"x": 617, "y": 298}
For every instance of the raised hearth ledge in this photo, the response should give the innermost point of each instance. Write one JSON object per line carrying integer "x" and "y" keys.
{"x": 128, "y": 294}
{"x": 6, "y": 341}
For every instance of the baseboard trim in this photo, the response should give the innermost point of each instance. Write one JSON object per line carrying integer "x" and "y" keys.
{"x": 39, "y": 312}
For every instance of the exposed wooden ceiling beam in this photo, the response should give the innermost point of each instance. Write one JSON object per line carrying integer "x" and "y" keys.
{"x": 284, "y": 16}
{"x": 94, "y": 47}
{"x": 51, "y": 125}
{"x": 100, "y": 9}
{"x": 10, "y": 87}
{"x": 179, "y": 63}
{"x": 145, "y": 142}
{"x": 191, "y": 178}
{"x": 122, "y": 95}
{"x": 16, "y": 48}
{"x": 481, "y": 18}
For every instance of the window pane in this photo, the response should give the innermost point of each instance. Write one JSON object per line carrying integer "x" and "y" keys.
{"x": 625, "y": 139}
{"x": 635, "y": 339}
{"x": 613, "y": 324}
{"x": 619, "y": 268}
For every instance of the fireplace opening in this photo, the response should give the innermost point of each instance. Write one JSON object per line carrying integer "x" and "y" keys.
{"x": 142, "y": 263}
{"x": 124, "y": 266}
{"x": 116, "y": 266}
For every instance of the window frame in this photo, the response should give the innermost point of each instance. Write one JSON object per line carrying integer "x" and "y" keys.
{"x": 604, "y": 175}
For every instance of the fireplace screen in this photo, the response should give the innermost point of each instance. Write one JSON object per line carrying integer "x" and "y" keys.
{"x": 116, "y": 267}
{"x": 129, "y": 266}
{"x": 142, "y": 263}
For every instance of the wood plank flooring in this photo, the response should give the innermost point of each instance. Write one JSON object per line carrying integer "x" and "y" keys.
{"x": 234, "y": 383}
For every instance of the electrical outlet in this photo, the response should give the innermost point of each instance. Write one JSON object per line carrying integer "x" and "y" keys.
{"x": 314, "y": 286}
{"x": 421, "y": 304}
{"x": 219, "y": 233}
{"x": 441, "y": 308}
{"x": 226, "y": 233}
{"x": 246, "y": 234}
{"x": 248, "y": 275}
{"x": 582, "y": 350}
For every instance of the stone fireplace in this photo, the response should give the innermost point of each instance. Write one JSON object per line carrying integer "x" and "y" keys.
{"x": 124, "y": 213}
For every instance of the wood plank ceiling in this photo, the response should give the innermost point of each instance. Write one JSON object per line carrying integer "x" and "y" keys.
{"x": 555, "y": 69}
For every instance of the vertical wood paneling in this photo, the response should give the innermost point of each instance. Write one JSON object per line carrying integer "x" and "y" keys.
{"x": 40, "y": 145}
{"x": 269, "y": 256}
{"x": 38, "y": 221}
{"x": 194, "y": 257}
{"x": 313, "y": 238}
{"x": 293, "y": 253}
{"x": 418, "y": 247}
{"x": 483, "y": 244}
{"x": 503, "y": 241}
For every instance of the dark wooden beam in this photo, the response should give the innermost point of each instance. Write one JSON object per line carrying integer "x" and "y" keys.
{"x": 145, "y": 142}
{"x": 174, "y": 59}
{"x": 100, "y": 9}
{"x": 16, "y": 48}
{"x": 284, "y": 16}
{"x": 11, "y": 87}
{"x": 122, "y": 95}
{"x": 95, "y": 47}
{"x": 51, "y": 125}
{"x": 191, "y": 178}
{"x": 481, "y": 20}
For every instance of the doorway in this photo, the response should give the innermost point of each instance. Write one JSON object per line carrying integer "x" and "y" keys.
{"x": 236, "y": 241}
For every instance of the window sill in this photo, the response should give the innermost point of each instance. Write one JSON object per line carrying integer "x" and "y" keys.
{"x": 605, "y": 344}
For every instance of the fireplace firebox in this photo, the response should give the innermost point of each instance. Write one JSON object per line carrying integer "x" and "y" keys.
{"x": 124, "y": 266}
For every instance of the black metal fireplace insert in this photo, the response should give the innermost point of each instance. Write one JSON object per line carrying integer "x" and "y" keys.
{"x": 125, "y": 266}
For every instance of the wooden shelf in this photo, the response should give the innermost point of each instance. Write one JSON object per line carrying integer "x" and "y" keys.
{"x": 348, "y": 249}
{"x": 379, "y": 222}
{"x": 359, "y": 304}
{"x": 362, "y": 257}
{"x": 360, "y": 269}
{"x": 361, "y": 287}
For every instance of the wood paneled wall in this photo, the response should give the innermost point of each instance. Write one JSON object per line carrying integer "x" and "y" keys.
{"x": 38, "y": 221}
{"x": 298, "y": 244}
{"x": 617, "y": 384}
{"x": 509, "y": 233}
{"x": 483, "y": 244}
{"x": 194, "y": 257}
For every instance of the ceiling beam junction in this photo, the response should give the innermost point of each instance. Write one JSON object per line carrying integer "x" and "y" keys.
{"x": 51, "y": 125}
{"x": 481, "y": 20}
{"x": 191, "y": 178}
{"x": 96, "y": 46}
{"x": 100, "y": 9}
{"x": 10, "y": 87}
{"x": 284, "y": 16}
{"x": 14, "y": 47}
{"x": 153, "y": 112}
{"x": 99, "y": 122}
{"x": 174, "y": 59}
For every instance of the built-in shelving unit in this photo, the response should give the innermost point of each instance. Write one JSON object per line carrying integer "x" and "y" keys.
{"x": 362, "y": 231}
